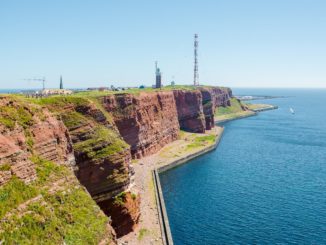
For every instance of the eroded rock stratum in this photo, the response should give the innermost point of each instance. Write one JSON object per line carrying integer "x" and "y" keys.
{"x": 72, "y": 155}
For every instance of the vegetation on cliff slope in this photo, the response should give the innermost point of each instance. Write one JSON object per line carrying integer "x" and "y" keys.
{"x": 52, "y": 210}
{"x": 99, "y": 137}
{"x": 234, "y": 108}
{"x": 73, "y": 111}
{"x": 237, "y": 109}
{"x": 18, "y": 112}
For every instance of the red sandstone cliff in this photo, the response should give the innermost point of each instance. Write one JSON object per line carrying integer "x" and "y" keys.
{"x": 190, "y": 110}
{"x": 124, "y": 212}
{"x": 214, "y": 97}
{"x": 95, "y": 136}
{"x": 102, "y": 157}
{"x": 26, "y": 130}
{"x": 37, "y": 185}
{"x": 147, "y": 121}
{"x": 103, "y": 160}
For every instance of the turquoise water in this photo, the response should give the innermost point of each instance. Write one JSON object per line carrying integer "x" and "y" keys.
{"x": 265, "y": 184}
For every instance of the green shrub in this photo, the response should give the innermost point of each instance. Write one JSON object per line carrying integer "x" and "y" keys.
{"x": 133, "y": 196}
{"x": 5, "y": 167}
{"x": 142, "y": 232}
{"x": 120, "y": 199}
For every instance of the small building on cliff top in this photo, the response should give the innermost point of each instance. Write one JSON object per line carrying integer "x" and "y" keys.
{"x": 55, "y": 92}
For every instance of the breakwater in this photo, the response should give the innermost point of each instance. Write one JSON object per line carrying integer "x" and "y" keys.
{"x": 267, "y": 108}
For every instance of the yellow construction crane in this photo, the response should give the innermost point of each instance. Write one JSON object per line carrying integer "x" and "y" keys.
{"x": 38, "y": 80}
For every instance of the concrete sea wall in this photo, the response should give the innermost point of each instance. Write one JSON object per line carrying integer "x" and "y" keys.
{"x": 163, "y": 217}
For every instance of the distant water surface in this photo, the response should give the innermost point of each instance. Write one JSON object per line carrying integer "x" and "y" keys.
{"x": 266, "y": 182}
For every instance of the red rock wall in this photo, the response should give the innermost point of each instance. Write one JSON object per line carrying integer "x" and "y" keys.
{"x": 190, "y": 110}
{"x": 208, "y": 107}
{"x": 51, "y": 140}
{"x": 103, "y": 176}
{"x": 46, "y": 136}
{"x": 147, "y": 121}
{"x": 125, "y": 214}
{"x": 214, "y": 97}
{"x": 13, "y": 152}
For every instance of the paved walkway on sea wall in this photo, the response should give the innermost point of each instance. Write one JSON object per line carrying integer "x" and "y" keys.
{"x": 149, "y": 230}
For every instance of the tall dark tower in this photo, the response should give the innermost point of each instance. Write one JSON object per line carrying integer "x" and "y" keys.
{"x": 61, "y": 83}
{"x": 158, "y": 74}
{"x": 196, "y": 76}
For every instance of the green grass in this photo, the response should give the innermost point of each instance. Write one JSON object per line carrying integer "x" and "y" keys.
{"x": 10, "y": 115}
{"x": 234, "y": 108}
{"x": 71, "y": 217}
{"x": 58, "y": 101}
{"x": 93, "y": 147}
{"x": 182, "y": 134}
{"x": 73, "y": 119}
{"x": 14, "y": 193}
{"x": 257, "y": 106}
{"x": 63, "y": 212}
{"x": 68, "y": 215}
{"x": 29, "y": 142}
{"x": 46, "y": 169}
{"x": 135, "y": 91}
{"x": 5, "y": 167}
{"x": 202, "y": 141}
{"x": 120, "y": 199}
{"x": 142, "y": 232}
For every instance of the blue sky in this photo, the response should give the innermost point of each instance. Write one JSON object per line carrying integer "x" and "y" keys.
{"x": 252, "y": 43}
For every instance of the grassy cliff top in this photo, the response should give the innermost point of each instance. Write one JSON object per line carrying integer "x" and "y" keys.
{"x": 135, "y": 91}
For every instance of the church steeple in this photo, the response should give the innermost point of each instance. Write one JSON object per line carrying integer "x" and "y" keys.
{"x": 61, "y": 83}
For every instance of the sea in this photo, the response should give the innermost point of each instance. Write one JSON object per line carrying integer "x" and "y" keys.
{"x": 264, "y": 184}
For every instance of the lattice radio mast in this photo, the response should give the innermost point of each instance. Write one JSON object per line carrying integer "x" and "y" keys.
{"x": 196, "y": 76}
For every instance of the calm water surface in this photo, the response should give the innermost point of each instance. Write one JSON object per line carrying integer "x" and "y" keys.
{"x": 265, "y": 184}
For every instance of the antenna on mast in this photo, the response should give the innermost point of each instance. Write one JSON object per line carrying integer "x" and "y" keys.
{"x": 196, "y": 75}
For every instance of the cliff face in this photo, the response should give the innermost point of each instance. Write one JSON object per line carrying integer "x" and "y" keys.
{"x": 147, "y": 121}
{"x": 196, "y": 107}
{"x": 41, "y": 200}
{"x": 27, "y": 130}
{"x": 214, "y": 97}
{"x": 190, "y": 110}
{"x": 102, "y": 157}
{"x": 124, "y": 212}
{"x": 43, "y": 141}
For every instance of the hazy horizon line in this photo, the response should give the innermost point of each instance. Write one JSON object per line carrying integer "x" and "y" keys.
{"x": 232, "y": 87}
